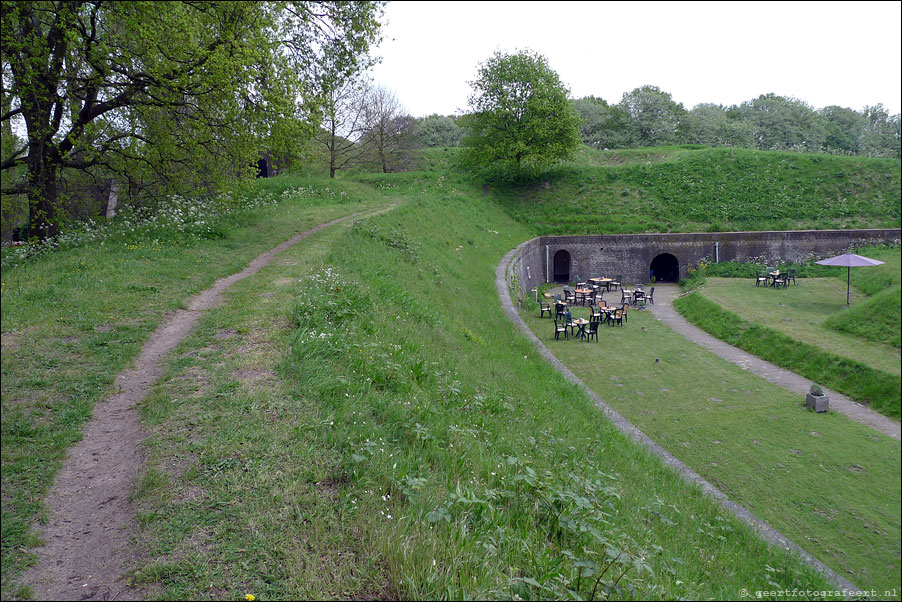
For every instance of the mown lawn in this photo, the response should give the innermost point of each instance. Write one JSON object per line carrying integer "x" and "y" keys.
{"x": 826, "y": 482}
{"x": 802, "y": 312}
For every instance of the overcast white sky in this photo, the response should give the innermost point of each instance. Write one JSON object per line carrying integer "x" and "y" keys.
{"x": 825, "y": 53}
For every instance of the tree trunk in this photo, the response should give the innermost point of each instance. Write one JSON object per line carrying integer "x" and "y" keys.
{"x": 43, "y": 206}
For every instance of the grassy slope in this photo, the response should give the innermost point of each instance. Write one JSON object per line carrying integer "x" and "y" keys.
{"x": 878, "y": 318}
{"x": 73, "y": 319}
{"x": 680, "y": 190}
{"x": 827, "y": 483}
{"x": 802, "y": 312}
{"x": 413, "y": 444}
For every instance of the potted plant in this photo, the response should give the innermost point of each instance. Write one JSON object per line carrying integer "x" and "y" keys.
{"x": 816, "y": 399}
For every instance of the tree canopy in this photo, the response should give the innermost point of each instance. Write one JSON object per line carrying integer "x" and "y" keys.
{"x": 520, "y": 116}
{"x": 171, "y": 95}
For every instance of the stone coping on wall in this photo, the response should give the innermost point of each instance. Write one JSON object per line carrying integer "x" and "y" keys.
{"x": 888, "y": 235}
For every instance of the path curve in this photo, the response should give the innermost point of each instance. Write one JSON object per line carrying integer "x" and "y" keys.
{"x": 88, "y": 539}
{"x": 663, "y": 310}
{"x": 765, "y": 530}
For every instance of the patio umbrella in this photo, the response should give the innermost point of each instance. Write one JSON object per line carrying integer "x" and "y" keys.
{"x": 850, "y": 260}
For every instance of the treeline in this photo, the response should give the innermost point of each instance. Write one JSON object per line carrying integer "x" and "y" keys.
{"x": 648, "y": 116}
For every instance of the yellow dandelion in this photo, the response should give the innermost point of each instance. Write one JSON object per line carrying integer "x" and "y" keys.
{"x": 250, "y": 597}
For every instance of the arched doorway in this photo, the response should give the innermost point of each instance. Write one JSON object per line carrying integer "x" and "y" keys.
{"x": 262, "y": 168}
{"x": 561, "y": 269}
{"x": 665, "y": 268}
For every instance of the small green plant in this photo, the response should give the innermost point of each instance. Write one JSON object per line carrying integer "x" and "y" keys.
{"x": 816, "y": 390}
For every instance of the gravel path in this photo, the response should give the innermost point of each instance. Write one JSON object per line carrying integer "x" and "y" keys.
{"x": 663, "y": 310}
{"x": 89, "y": 536}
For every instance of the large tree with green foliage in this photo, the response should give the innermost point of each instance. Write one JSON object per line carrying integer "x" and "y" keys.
{"x": 783, "y": 123}
{"x": 437, "y": 130}
{"x": 654, "y": 116}
{"x": 520, "y": 117}
{"x": 602, "y": 125}
{"x": 185, "y": 93}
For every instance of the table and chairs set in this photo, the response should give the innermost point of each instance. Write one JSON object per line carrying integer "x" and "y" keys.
{"x": 591, "y": 294}
{"x": 774, "y": 278}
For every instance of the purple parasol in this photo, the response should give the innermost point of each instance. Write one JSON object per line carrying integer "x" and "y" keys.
{"x": 849, "y": 260}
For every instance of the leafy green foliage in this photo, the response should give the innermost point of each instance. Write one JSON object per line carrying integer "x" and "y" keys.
{"x": 520, "y": 118}
{"x": 175, "y": 95}
{"x": 654, "y": 117}
{"x": 437, "y": 130}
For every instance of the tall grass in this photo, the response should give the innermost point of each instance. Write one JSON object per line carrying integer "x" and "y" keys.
{"x": 75, "y": 314}
{"x": 448, "y": 459}
{"x": 678, "y": 190}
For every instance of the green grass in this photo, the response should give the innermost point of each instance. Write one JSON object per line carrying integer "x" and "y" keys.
{"x": 876, "y": 319}
{"x": 803, "y": 312}
{"x": 73, "y": 319}
{"x": 682, "y": 190}
{"x": 853, "y": 378}
{"x": 373, "y": 426}
{"x": 826, "y": 482}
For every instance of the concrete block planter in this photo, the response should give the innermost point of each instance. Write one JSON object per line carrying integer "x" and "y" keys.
{"x": 818, "y": 403}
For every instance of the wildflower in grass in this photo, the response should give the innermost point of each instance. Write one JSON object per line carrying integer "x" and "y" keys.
{"x": 250, "y": 597}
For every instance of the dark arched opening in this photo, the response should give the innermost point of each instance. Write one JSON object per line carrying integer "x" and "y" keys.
{"x": 262, "y": 168}
{"x": 665, "y": 268}
{"x": 562, "y": 266}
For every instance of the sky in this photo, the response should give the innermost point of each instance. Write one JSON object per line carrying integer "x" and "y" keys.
{"x": 824, "y": 53}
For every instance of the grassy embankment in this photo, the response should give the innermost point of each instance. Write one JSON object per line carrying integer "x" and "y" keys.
{"x": 411, "y": 443}
{"x": 73, "y": 319}
{"x": 808, "y": 328}
{"x": 675, "y": 189}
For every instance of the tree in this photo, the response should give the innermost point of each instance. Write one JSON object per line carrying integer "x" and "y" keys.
{"x": 387, "y": 129}
{"x": 186, "y": 93}
{"x": 654, "y": 116}
{"x": 437, "y": 130}
{"x": 781, "y": 123}
{"x": 715, "y": 125}
{"x": 520, "y": 116}
{"x": 880, "y": 135}
{"x": 343, "y": 122}
{"x": 602, "y": 125}
{"x": 843, "y": 129}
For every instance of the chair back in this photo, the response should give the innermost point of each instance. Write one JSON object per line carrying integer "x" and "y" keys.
{"x": 651, "y": 293}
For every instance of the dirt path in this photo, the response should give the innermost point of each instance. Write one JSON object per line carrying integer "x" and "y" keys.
{"x": 88, "y": 539}
{"x": 664, "y": 311}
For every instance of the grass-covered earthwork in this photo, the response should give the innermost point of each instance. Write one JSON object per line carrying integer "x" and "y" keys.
{"x": 376, "y": 427}
{"x": 826, "y": 482}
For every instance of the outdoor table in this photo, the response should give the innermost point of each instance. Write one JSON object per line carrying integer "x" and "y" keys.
{"x": 605, "y": 282}
{"x": 773, "y": 277}
{"x": 581, "y": 294}
{"x": 581, "y": 324}
{"x": 607, "y": 311}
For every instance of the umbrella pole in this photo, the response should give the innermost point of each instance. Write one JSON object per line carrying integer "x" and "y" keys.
{"x": 848, "y": 282}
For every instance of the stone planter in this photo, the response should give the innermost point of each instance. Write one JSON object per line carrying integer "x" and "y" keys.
{"x": 818, "y": 403}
